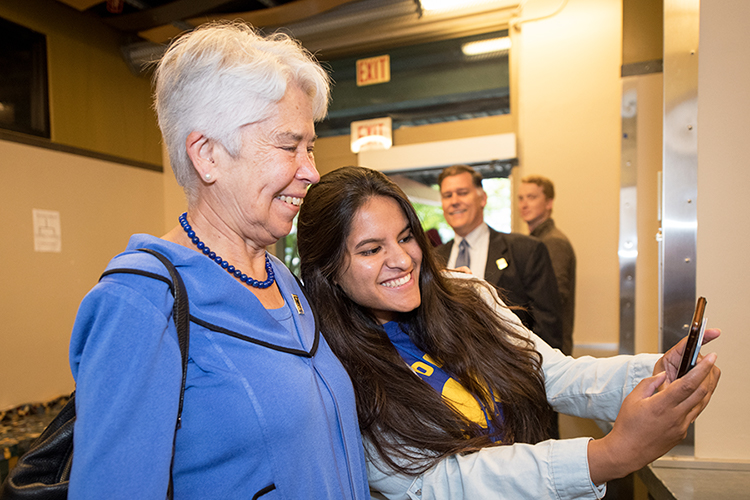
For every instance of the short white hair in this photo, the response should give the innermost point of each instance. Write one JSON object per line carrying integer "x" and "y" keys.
{"x": 221, "y": 76}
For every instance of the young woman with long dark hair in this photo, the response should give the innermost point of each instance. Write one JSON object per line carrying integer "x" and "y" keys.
{"x": 453, "y": 393}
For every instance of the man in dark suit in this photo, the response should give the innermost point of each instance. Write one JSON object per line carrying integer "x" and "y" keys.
{"x": 520, "y": 265}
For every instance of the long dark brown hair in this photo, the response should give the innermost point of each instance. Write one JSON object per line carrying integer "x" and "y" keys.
{"x": 408, "y": 423}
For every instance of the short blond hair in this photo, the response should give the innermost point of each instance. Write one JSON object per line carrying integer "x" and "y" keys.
{"x": 548, "y": 188}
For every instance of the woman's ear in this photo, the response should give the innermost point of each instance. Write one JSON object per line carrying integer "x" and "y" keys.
{"x": 200, "y": 150}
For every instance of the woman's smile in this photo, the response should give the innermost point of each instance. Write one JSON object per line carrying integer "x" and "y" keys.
{"x": 290, "y": 199}
{"x": 397, "y": 282}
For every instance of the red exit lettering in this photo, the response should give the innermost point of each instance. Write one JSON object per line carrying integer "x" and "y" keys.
{"x": 373, "y": 70}
{"x": 367, "y": 130}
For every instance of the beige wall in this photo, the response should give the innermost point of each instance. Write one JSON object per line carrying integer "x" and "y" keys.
{"x": 568, "y": 102}
{"x": 175, "y": 202}
{"x": 100, "y": 204}
{"x": 332, "y": 153}
{"x": 723, "y": 431}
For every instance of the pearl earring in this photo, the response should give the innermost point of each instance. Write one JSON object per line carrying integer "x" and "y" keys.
{"x": 207, "y": 177}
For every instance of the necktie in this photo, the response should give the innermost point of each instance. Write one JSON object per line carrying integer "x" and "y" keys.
{"x": 463, "y": 254}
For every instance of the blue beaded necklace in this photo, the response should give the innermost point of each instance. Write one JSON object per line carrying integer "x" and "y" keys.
{"x": 224, "y": 264}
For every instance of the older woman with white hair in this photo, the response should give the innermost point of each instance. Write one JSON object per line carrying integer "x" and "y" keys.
{"x": 268, "y": 409}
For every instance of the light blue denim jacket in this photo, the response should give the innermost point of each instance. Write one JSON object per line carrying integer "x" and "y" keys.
{"x": 556, "y": 469}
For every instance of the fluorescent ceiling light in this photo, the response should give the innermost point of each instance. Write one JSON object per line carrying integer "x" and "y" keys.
{"x": 428, "y": 5}
{"x": 486, "y": 46}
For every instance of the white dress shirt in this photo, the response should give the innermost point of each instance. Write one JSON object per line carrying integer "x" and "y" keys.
{"x": 479, "y": 244}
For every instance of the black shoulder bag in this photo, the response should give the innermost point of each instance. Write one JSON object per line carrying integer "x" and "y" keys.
{"x": 43, "y": 472}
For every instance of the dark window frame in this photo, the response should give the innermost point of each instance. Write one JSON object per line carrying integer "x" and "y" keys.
{"x": 24, "y": 85}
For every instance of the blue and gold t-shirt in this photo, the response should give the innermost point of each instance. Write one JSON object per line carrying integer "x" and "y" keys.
{"x": 431, "y": 372}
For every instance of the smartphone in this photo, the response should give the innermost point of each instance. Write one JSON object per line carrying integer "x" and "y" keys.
{"x": 695, "y": 338}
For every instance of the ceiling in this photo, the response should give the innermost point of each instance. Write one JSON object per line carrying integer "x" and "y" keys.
{"x": 328, "y": 28}
{"x": 333, "y": 30}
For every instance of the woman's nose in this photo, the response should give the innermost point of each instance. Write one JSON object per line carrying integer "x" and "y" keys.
{"x": 398, "y": 258}
{"x": 306, "y": 170}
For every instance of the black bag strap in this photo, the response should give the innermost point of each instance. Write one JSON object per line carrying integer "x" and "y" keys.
{"x": 181, "y": 316}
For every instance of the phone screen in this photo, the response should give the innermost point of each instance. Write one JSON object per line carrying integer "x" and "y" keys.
{"x": 695, "y": 338}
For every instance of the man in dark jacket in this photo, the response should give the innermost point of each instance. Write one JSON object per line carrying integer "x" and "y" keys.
{"x": 519, "y": 265}
{"x": 535, "y": 198}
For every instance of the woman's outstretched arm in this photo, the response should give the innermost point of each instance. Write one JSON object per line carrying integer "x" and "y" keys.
{"x": 655, "y": 416}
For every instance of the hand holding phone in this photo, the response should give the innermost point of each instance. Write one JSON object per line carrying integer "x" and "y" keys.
{"x": 695, "y": 338}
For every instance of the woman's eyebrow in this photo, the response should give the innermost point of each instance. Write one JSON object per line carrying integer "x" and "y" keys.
{"x": 367, "y": 242}
{"x": 292, "y": 136}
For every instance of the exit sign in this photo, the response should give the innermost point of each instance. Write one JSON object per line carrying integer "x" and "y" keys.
{"x": 371, "y": 134}
{"x": 373, "y": 70}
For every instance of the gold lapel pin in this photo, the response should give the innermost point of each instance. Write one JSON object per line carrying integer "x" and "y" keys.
{"x": 298, "y": 304}
{"x": 501, "y": 263}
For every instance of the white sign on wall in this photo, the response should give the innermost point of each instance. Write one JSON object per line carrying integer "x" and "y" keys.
{"x": 46, "y": 230}
{"x": 371, "y": 134}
